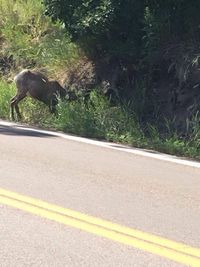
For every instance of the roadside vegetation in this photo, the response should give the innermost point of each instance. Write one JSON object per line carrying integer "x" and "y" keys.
{"x": 29, "y": 39}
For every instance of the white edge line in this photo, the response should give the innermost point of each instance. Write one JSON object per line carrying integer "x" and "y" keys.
{"x": 114, "y": 146}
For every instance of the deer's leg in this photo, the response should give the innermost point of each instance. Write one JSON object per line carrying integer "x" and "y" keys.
{"x": 14, "y": 104}
{"x": 53, "y": 103}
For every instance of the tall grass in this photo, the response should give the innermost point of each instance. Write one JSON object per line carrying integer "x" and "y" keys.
{"x": 96, "y": 118}
{"x": 174, "y": 143}
{"x": 34, "y": 41}
{"x": 31, "y": 38}
{"x": 6, "y": 91}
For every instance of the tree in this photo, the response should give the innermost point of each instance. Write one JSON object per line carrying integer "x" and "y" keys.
{"x": 105, "y": 27}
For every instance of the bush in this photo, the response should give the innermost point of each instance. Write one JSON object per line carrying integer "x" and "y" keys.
{"x": 31, "y": 38}
{"x": 97, "y": 118}
{"x": 104, "y": 27}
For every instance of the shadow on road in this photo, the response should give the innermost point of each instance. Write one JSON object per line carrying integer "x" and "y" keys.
{"x": 17, "y": 131}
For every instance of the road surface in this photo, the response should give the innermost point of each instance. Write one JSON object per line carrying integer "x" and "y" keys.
{"x": 102, "y": 204}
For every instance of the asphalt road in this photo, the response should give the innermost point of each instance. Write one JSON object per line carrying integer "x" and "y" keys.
{"x": 154, "y": 194}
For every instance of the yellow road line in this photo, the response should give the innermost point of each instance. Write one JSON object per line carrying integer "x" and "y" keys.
{"x": 106, "y": 224}
{"x": 163, "y": 247}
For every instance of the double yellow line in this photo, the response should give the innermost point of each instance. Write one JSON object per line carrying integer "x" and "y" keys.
{"x": 175, "y": 251}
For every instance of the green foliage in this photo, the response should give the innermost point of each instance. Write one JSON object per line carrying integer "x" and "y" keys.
{"x": 174, "y": 144}
{"x": 31, "y": 38}
{"x": 126, "y": 34}
{"x": 175, "y": 18}
{"x": 92, "y": 118}
{"x": 6, "y": 92}
{"x": 117, "y": 27}
{"x": 108, "y": 27}
{"x": 96, "y": 118}
{"x": 168, "y": 23}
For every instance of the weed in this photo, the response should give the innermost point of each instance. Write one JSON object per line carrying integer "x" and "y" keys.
{"x": 33, "y": 40}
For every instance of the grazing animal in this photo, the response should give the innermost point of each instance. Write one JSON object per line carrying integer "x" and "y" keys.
{"x": 38, "y": 86}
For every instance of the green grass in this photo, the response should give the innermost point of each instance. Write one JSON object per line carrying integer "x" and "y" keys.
{"x": 33, "y": 40}
{"x": 96, "y": 118}
{"x": 175, "y": 144}
{"x": 6, "y": 92}
{"x": 92, "y": 118}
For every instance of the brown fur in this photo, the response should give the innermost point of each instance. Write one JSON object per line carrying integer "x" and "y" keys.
{"x": 38, "y": 86}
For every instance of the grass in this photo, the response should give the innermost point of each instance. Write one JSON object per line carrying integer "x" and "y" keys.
{"x": 34, "y": 41}
{"x": 96, "y": 118}
{"x": 6, "y": 91}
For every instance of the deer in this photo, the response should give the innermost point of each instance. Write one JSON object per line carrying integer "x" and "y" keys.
{"x": 38, "y": 86}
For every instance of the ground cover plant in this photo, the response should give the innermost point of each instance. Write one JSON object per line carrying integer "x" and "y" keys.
{"x": 30, "y": 39}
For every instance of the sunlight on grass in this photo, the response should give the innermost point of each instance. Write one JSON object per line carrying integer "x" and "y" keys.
{"x": 32, "y": 40}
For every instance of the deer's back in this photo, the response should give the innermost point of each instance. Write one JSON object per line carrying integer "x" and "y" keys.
{"x": 32, "y": 82}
